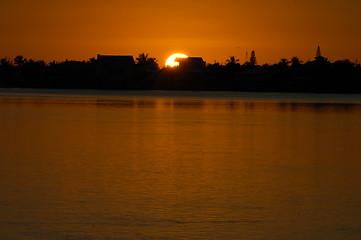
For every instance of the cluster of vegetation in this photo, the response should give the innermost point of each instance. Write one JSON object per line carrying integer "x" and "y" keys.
{"x": 318, "y": 75}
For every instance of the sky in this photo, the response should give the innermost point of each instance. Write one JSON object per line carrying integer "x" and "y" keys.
{"x": 213, "y": 29}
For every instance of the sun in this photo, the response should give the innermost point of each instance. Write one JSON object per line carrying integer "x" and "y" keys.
{"x": 171, "y": 61}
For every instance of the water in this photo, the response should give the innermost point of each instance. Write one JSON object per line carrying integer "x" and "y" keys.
{"x": 179, "y": 165}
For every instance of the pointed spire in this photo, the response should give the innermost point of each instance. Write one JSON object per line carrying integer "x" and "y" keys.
{"x": 318, "y": 53}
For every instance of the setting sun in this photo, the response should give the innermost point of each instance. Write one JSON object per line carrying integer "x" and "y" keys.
{"x": 171, "y": 61}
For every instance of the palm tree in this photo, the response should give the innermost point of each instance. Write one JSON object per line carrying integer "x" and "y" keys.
{"x": 232, "y": 60}
{"x": 147, "y": 62}
{"x": 144, "y": 59}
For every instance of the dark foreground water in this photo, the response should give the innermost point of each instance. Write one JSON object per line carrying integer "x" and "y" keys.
{"x": 179, "y": 165}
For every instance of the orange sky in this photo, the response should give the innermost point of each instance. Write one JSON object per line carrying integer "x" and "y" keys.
{"x": 213, "y": 29}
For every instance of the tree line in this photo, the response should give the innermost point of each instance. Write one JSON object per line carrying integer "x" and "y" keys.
{"x": 288, "y": 75}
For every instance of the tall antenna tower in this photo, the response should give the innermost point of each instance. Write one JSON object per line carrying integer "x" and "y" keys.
{"x": 318, "y": 53}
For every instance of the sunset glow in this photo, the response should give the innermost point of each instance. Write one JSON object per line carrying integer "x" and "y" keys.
{"x": 171, "y": 61}
{"x": 214, "y": 30}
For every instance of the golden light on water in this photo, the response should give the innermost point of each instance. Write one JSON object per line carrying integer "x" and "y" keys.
{"x": 171, "y": 61}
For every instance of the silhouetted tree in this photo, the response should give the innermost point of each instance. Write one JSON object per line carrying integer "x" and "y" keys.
{"x": 143, "y": 58}
{"x": 232, "y": 61}
{"x": 319, "y": 75}
{"x": 4, "y": 62}
{"x": 232, "y": 64}
{"x": 295, "y": 61}
{"x": 146, "y": 62}
{"x": 284, "y": 62}
{"x": 20, "y": 60}
{"x": 53, "y": 64}
{"x": 92, "y": 60}
{"x": 344, "y": 64}
{"x": 252, "y": 60}
{"x": 216, "y": 66}
{"x": 41, "y": 63}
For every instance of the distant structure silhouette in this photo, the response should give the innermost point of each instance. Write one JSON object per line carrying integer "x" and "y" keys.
{"x": 318, "y": 52}
{"x": 123, "y": 72}
{"x": 319, "y": 58}
{"x": 191, "y": 63}
{"x": 253, "y": 60}
{"x": 119, "y": 62}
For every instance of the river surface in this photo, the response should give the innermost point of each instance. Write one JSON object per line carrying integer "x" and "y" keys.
{"x": 179, "y": 165}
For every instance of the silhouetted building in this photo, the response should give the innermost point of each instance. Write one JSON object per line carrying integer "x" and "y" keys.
{"x": 191, "y": 63}
{"x": 319, "y": 57}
